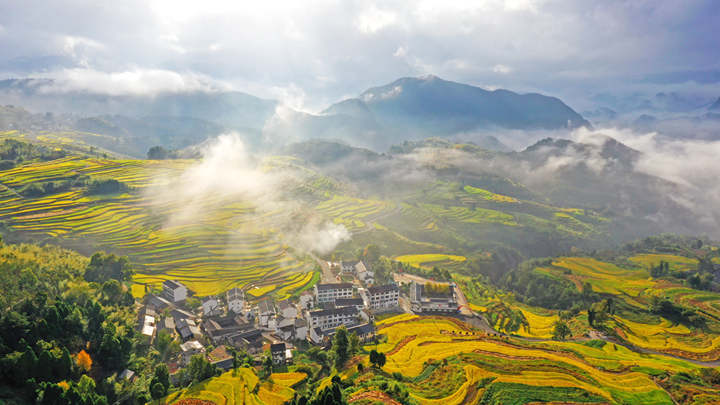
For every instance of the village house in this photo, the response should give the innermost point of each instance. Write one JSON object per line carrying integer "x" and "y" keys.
{"x": 326, "y": 319}
{"x": 148, "y": 326}
{"x": 178, "y": 313}
{"x": 363, "y": 273}
{"x": 219, "y": 327}
{"x": 220, "y": 357}
{"x": 277, "y": 351}
{"x": 350, "y": 302}
{"x": 383, "y": 297}
{"x": 287, "y": 309}
{"x": 235, "y": 300}
{"x": 266, "y": 312}
{"x": 157, "y": 303}
{"x": 331, "y": 292}
{"x": 174, "y": 291}
{"x": 307, "y": 300}
{"x": 433, "y": 297}
{"x": 211, "y": 306}
{"x": 301, "y": 329}
{"x": 190, "y": 349}
{"x": 187, "y": 329}
{"x": 167, "y": 324}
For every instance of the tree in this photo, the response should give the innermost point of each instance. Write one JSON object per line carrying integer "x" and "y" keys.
{"x": 354, "y": 344}
{"x": 162, "y": 376}
{"x": 591, "y": 317}
{"x": 83, "y": 360}
{"x": 561, "y": 331}
{"x": 377, "y": 359}
{"x": 200, "y": 368}
{"x": 340, "y": 347}
{"x": 103, "y": 267}
{"x": 267, "y": 367}
{"x": 157, "y": 390}
{"x": 157, "y": 153}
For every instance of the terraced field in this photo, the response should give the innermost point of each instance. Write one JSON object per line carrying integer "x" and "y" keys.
{"x": 635, "y": 287}
{"x": 239, "y": 386}
{"x": 225, "y": 245}
{"x": 504, "y": 370}
{"x": 429, "y": 260}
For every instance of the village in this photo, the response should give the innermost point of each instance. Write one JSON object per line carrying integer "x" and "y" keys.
{"x": 224, "y": 324}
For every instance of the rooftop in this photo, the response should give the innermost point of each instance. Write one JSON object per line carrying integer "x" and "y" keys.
{"x": 333, "y": 286}
{"x": 345, "y": 302}
{"x": 234, "y": 294}
{"x": 191, "y": 345}
{"x": 335, "y": 311}
{"x": 172, "y": 284}
{"x": 277, "y": 347}
{"x": 382, "y": 289}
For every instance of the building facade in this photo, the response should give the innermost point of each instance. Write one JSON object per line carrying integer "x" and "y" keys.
{"x": 383, "y": 297}
{"x": 331, "y": 292}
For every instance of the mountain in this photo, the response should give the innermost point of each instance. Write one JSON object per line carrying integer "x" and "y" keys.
{"x": 442, "y": 107}
{"x": 408, "y": 108}
{"x": 415, "y": 108}
{"x": 230, "y": 109}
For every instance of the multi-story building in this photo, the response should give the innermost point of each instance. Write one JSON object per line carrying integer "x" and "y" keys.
{"x": 174, "y": 291}
{"x": 350, "y": 302}
{"x": 383, "y": 296}
{"x": 235, "y": 300}
{"x": 331, "y": 292}
{"x": 326, "y": 319}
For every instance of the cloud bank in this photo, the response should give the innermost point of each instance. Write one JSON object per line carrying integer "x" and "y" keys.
{"x": 228, "y": 175}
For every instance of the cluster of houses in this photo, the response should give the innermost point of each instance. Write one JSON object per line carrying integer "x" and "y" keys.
{"x": 229, "y": 320}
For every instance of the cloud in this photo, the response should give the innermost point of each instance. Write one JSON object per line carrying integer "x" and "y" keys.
{"x": 502, "y": 69}
{"x": 569, "y": 49}
{"x": 373, "y": 20}
{"x": 229, "y": 175}
{"x": 132, "y": 82}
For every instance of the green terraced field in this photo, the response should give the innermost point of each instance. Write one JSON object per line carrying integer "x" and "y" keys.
{"x": 225, "y": 247}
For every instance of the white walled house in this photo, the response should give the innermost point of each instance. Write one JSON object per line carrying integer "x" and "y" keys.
{"x": 190, "y": 349}
{"x": 174, "y": 291}
{"x": 266, "y": 311}
{"x": 307, "y": 300}
{"x": 211, "y": 306}
{"x": 383, "y": 297}
{"x": 333, "y": 291}
{"x": 287, "y": 309}
{"x": 235, "y": 300}
{"x": 327, "y": 319}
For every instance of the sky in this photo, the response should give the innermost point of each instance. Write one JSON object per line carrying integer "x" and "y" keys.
{"x": 312, "y": 53}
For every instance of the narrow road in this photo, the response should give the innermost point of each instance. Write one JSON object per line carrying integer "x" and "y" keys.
{"x": 327, "y": 274}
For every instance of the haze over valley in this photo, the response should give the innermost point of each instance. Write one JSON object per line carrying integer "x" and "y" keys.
{"x": 495, "y": 202}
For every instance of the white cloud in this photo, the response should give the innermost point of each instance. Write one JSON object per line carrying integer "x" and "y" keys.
{"x": 502, "y": 69}
{"x": 131, "y": 82}
{"x": 373, "y": 20}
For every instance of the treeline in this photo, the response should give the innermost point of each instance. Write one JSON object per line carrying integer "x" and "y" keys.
{"x": 93, "y": 186}
{"x": 14, "y": 152}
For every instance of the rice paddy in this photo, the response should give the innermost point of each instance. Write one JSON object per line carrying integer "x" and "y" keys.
{"x": 240, "y": 386}
{"x": 635, "y": 287}
{"x": 429, "y": 260}
{"x": 225, "y": 245}
{"x": 488, "y": 367}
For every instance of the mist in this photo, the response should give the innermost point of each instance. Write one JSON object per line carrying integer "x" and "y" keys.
{"x": 228, "y": 174}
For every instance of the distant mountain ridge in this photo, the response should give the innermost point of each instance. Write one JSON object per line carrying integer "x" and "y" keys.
{"x": 408, "y": 108}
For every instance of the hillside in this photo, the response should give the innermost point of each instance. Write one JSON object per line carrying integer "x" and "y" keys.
{"x": 378, "y": 118}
